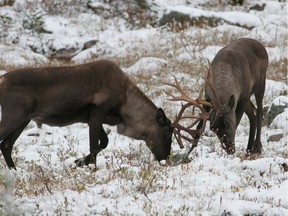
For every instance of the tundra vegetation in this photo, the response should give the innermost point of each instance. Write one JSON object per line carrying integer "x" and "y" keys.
{"x": 128, "y": 180}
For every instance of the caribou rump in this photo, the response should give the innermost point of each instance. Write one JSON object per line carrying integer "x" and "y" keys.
{"x": 95, "y": 93}
{"x": 237, "y": 71}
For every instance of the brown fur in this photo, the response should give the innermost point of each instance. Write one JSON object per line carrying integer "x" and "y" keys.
{"x": 238, "y": 72}
{"x": 93, "y": 93}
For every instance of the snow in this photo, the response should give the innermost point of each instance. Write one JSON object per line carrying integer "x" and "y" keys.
{"x": 127, "y": 180}
{"x": 280, "y": 121}
{"x": 280, "y": 101}
{"x": 274, "y": 88}
{"x": 236, "y": 17}
{"x": 146, "y": 64}
{"x": 242, "y": 18}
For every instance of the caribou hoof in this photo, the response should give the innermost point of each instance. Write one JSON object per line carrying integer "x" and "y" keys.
{"x": 230, "y": 149}
{"x": 257, "y": 147}
{"x": 80, "y": 162}
{"x": 85, "y": 161}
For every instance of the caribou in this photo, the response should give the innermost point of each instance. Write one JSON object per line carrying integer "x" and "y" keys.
{"x": 95, "y": 93}
{"x": 237, "y": 72}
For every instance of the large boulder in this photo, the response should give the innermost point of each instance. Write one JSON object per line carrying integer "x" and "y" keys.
{"x": 277, "y": 107}
{"x": 280, "y": 121}
{"x": 185, "y": 15}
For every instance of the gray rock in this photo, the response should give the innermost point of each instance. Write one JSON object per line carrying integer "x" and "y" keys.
{"x": 258, "y": 7}
{"x": 64, "y": 54}
{"x": 184, "y": 17}
{"x": 89, "y": 44}
{"x": 278, "y": 106}
{"x": 275, "y": 137}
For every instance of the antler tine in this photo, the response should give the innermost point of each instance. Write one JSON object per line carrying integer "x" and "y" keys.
{"x": 184, "y": 97}
{"x": 207, "y": 68}
{"x": 189, "y": 102}
{"x": 209, "y": 81}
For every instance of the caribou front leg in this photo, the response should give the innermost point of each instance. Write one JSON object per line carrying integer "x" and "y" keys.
{"x": 96, "y": 134}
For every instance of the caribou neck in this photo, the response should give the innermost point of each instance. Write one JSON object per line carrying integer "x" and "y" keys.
{"x": 224, "y": 84}
{"x": 138, "y": 114}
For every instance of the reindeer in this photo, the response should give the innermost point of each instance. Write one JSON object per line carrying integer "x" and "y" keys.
{"x": 236, "y": 73}
{"x": 96, "y": 93}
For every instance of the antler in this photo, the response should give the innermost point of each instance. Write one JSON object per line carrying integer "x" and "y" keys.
{"x": 209, "y": 82}
{"x": 198, "y": 103}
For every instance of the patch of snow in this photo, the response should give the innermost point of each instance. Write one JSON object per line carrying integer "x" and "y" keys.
{"x": 241, "y": 18}
{"x": 146, "y": 64}
{"x": 274, "y": 89}
{"x": 128, "y": 180}
{"x": 280, "y": 101}
{"x": 12, "y": 55}
{"x": 280, "y": 121}
{"x": 235, "y": 17}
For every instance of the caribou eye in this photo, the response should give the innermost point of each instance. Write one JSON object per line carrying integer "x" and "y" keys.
{"x": 168, "y": 134}
{"x": 226, "y": 123}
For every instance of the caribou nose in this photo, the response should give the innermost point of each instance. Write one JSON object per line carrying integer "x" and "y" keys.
{"x": 230, "y": 148}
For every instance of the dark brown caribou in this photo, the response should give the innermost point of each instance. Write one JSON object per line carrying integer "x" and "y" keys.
{"x": 96, "y": 93}
{"x": 236, "y": 73}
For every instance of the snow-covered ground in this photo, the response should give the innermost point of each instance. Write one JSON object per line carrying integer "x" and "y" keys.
{"x": 128, "y": 181}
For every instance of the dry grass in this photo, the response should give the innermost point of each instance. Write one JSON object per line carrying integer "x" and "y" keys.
{"x": 278, "y": 70}
{"x": 188, "y": 41}
{"x": 44, "y": 179}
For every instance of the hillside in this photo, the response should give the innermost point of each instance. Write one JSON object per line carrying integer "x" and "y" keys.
{"x": 152, "y": 41}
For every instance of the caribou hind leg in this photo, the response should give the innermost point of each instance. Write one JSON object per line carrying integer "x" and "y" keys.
{"x": 14, "y": 120}
{"x": 257, "y": 145}
{"x": 250, "y": 110}
{"x": 8, "y": 142}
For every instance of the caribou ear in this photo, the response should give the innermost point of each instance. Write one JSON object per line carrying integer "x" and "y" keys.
{"x": 161, "y": 117}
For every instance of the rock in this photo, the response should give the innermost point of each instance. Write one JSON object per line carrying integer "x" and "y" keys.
{"x": 186, "y": 16}
{"x": 97, "y": 6}
{"x": 285, "y": 167}
{"x": 278, "y": 106}
{"x": 180, "y": 159}
{"x": 136, "y": 12}
{"x": 64, "y": 54}
{"x": 280, "y": 121}
{"x": 100, "y": 8}
{"x": 12, "y": 55}
{"x": 89, "y": 44}
{"x": 258, "y": 7}
{"x": 274, "y": 135}
{"x": 275, "y": 88}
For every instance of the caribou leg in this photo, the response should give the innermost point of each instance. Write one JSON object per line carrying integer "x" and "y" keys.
{"x": 12, "y": 124}
{"x": 8, "y": 142}
{"x": 257, "y": 145}
{"x": 96, "y": 134}
{"x": 250, "y": 111}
